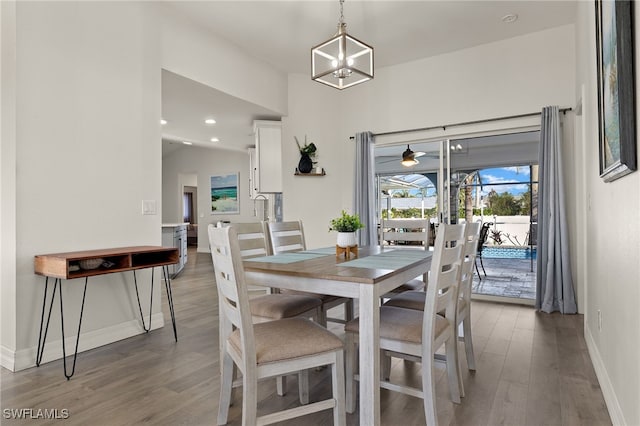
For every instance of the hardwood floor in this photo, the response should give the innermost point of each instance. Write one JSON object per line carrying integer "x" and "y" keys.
{"x": 532, "y": 369}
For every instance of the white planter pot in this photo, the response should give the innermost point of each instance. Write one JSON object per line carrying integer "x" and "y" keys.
{"x": 346, "y": 239}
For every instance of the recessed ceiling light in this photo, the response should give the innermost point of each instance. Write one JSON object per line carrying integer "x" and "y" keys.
{"x": 187, "y": 143}
{"x": 210, "y": 121}
{"x": 163, "y": 121}
{"x": 509, "y": 18}
{"x": 215, "y": 140}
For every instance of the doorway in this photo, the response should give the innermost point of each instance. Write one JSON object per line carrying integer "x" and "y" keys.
{"x": 492, "y": 179}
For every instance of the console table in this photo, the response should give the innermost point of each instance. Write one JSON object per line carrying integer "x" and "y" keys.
{"x": 85, "y": 264}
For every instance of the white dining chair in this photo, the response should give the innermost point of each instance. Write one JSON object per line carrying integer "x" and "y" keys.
{"x": 286, "y": 237}
{"x": 253, "y": 242}
{"x": 415, "y": 299}
{"x": 404, "y": 234}
{"x": 417, "y": 335}
{"x": 266, "y": 349}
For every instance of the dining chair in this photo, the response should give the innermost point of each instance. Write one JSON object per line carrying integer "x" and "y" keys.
{"x": 266, "y": 349}
{"x": 416, "y": 299}
{"x": 288, "y": 237}
{"x": 253, "y": 242}
{"x": 402, "y": 234}
{"x": 417, "y": 335}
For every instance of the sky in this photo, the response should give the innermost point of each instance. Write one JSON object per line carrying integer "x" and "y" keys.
{"x": 490, "y": 176}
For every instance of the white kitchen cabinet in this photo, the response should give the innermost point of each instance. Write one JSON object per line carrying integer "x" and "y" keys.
{"x": 265, "y": 161}
{"x": 175, "y": 235}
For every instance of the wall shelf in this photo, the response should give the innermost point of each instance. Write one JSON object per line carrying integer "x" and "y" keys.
{"x": 297, "y": 173}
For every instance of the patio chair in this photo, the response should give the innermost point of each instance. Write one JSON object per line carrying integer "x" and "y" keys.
{"x": 482, "y": 240}
{"x": 266, "y": 349}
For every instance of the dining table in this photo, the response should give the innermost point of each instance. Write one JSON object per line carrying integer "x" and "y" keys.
{"x": 366, "y": 275}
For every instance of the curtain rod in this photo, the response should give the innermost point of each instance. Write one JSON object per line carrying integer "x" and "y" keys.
{"x": 464, "y": 123}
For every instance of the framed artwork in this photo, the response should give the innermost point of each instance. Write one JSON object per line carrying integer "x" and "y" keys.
{"x": 616, "y": 94}
{"x": 224, "y": 194}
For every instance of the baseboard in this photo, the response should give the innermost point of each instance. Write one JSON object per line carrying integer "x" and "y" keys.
{"x": 26, "y": 358}
{"x": 610, "y": 398}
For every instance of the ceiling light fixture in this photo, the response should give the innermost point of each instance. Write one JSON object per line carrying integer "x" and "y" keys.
{"x": 187, "y": 143}
{"x": 210, "y": 121}
{"x": 409, "y": 158}
{"x": 163, "y": 121}
{"x": 342, "y": 61}
{"x": 215, "y": 140}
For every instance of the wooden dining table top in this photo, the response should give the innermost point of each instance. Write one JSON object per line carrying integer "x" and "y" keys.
{"x": 328, "y": 266}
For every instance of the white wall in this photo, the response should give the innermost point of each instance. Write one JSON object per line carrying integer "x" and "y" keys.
{"x": 205, "y": 162}
{"x": 519, "y": 75}
{"x": 87, "y": 153}
{"x": 612, "y": 247}
{"x": 202, "y": 56}
{"x": 8, "y": 182}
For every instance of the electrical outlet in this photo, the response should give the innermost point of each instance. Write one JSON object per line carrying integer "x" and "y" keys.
{"x": 599, "y": 320}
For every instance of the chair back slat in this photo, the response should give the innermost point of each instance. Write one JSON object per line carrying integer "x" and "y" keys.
{"x": 401, "y": 230}
{"x": 232, "y": 289}
{"x": 286, "y": 236}
{"x": 444, "y": 277}
{"x": 252, "y": 239}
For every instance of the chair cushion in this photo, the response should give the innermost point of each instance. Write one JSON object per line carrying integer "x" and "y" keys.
{"x": 278, "y": 306}
{"x": 415, "y": 284}
{"x": 400, "y": 324}
{"x": 326, "y": 298}
{"x": 408, "y": 300}
{"x": 415, "y": 300}
{"x": 288, "y": 339}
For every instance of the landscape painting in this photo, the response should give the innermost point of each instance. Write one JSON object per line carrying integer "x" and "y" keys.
{"x": 616, "y": 100}
{"x": 224, "y": 194}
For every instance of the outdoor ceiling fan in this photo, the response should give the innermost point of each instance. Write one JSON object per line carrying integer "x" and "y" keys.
{"x": 409, "y": 157}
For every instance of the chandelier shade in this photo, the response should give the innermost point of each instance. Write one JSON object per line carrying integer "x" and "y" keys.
{"x": 342, "y": 61}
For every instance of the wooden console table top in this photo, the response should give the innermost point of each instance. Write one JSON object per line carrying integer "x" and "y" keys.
{"x": 57, "y": 265}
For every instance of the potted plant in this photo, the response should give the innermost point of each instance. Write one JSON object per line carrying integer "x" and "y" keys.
{"x": 307, "y": 153}
{"x": 346, "y": 225}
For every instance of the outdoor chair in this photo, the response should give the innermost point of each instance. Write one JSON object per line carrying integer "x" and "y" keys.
{"x": 482, "y": 240}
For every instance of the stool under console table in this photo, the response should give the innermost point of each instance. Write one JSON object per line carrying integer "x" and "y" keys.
{"x": 85, "y": 264}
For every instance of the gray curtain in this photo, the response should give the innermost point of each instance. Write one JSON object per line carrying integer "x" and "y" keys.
{"x": 553, "y": 281}
{"x": 364, "y": 193}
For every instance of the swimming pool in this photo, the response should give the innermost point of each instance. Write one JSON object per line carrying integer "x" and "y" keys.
{"x": 508, "y": 252}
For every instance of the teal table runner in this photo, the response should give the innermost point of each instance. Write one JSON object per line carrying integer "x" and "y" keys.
{"x": 392, "y": 259}
{"x": 323, "y": 250}
{"x": 287, "y": 257}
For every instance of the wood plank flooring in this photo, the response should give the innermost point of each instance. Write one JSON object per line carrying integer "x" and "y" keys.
{"x": 532, "y": 369}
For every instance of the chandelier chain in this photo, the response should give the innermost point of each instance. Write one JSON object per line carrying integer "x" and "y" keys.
{"x": 341, "y": 12}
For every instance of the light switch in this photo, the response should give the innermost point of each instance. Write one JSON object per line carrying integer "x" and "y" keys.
{"x": 149, "y": 207}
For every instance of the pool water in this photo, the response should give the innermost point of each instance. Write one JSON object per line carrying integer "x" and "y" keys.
{"x": 498, "y": 252}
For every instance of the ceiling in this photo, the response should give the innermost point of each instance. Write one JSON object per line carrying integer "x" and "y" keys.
{"x": 282, "y": 33}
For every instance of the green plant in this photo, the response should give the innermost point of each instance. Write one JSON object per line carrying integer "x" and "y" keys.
{"x": 308, "y": 148}
{"x": 346, "y": 223}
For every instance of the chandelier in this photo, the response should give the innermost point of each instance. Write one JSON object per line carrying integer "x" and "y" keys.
{"x": 342, "y": 61}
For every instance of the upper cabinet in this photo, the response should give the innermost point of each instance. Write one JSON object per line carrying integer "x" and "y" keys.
{"x": 266, "y": 160}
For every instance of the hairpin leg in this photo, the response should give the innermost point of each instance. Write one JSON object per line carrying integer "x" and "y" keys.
{"x": 75, "y": 354}
{"x": 135, "y": 281}
{"x": 43, "y": 338}
{"x": 167, "y": 283}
